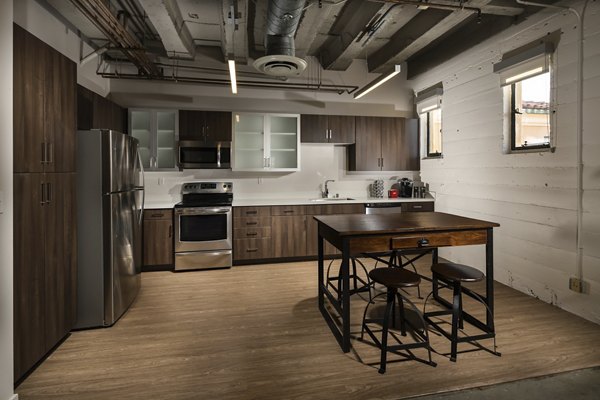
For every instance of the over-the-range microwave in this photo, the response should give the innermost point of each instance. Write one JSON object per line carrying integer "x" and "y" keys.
{"x": 197, "y": 154}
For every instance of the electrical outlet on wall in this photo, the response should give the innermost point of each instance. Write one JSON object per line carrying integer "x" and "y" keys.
{"x": 577, "y": 285}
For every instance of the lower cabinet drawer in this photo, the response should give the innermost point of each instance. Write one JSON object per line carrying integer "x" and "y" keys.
{"x": 251, "y": 222}
{"x": 439, "y": 239}
{"x": 248, "y": 249}
{"x": 252, "y": 233}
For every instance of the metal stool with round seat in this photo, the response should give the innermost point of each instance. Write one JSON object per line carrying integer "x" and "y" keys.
{"x": 453, "y": 276}
{"x": 395, "y": 280}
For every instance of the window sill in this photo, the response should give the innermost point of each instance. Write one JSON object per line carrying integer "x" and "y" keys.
{"x": 536, "y": 150}
{"x": 432, "y": 157}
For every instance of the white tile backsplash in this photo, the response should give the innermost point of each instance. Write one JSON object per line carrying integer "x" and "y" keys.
{"x": 318, "y": 163}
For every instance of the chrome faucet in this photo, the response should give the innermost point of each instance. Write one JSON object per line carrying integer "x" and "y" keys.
{"x": 325, "y": 192}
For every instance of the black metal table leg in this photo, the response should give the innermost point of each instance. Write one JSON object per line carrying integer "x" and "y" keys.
{"x": 489, "y": 279}
{"x": 321, "y": 279}
{"x": 345, "y": 270}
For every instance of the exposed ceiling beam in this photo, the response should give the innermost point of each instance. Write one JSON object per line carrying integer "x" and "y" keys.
{"x": 234, "y": 39}
{"x": 352, "y": 20}
{"x": 411, "y": 32}
{"x": 315, "y": 24}
{"x": 376, "y": 35}
{"x": 99, "y": 15}
{"x": 406, "y": 44}
{"x": 168, "y": 21}
{"x": 458, "y": 41}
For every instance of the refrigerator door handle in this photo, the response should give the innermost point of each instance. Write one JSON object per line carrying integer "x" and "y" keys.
{"x": 139, "y": 160}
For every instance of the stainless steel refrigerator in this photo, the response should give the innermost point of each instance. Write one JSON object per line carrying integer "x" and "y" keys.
{"x": 110, "y": 202}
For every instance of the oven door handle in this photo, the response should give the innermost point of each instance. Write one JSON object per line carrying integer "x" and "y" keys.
{"x": 204, "y": 211}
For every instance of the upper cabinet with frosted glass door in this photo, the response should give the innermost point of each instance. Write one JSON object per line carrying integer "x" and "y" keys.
{"x": 266, "y": 142}
{"x": 156, "y": 131}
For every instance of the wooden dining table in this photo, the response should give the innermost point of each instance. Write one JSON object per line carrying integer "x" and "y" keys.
{"x": 360, "y": 234}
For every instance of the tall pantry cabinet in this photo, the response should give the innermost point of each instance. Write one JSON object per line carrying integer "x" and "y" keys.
{"x": 44, "y": 107}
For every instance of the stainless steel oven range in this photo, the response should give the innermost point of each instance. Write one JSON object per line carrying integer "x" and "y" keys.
{"x": 203, "y": 236}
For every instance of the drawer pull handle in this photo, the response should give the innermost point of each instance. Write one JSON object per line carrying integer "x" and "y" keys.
{"x": 251, "y": 212}
{"x": 251, "y": 250}
{"x": 252, "y": 223}
{"x": 251, "y": 233}
{"x": 288, "y": 211}
{"x": 423, "y": 242}
{"x": 156, "y": 215}
{"x": 417, "y": 206}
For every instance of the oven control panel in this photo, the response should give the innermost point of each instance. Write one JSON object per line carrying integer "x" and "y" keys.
{"x": 207, "y": 187}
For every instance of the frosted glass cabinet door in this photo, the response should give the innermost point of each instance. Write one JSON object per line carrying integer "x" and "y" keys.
{"x": 141, "y": 129}
{"x": 157, "y": 132}
{"x": 284, "y": 142}
{"x": 166, "y": 142}
{"x": 249, "y": 141}
{"x": 266, "y": 142}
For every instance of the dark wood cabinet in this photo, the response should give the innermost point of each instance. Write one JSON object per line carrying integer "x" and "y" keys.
{"x": 97, "y": 112}
{"x": 158, "y": 238}
{"x": 288, "y": 235}
{"x": 45, "y": 278}
{"x": 44, "y": 107}
{"x": 44, "y": 134}
{"x": 206, "y": 126}
{"x": 252, "y": 233}
{"x": 327, "y": 128}
{"x": 384, "y": 144}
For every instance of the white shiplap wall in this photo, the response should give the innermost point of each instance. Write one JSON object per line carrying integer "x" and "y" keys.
{"x": 532, "y": 196}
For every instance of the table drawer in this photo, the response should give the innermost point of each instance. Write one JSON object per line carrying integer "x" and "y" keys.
{"x": 154, "y": 214}
{"x": 418, "y": 206}
{"x": 287, "y": 210}
{"x": 251, "y": 222}
{"x": 252, "y": 233}
{"x": 244, "y": 212}
{"x": 438, "y": 239}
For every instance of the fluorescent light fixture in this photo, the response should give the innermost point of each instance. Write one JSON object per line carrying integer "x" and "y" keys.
{"x": 433, "y": 107}
{"x": 232, "y": 76}
{"x": 377, "y": 82}
{"x": 524, "y": 74}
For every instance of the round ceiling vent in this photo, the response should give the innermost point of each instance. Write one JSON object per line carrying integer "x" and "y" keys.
{"x": 280, "y": 65}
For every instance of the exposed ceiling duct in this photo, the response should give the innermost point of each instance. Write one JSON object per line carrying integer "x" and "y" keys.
{"x": 283, "y": 17}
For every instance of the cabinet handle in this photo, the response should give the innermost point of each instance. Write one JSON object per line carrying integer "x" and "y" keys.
{"x": 170, "y": 230}
{"x": 156, "y": 215}
{"x": 330, "y": 134}
{"x": 378, "y": 162}
{"x": 252, "y": 212}
{"x": 43, "y": 192}
{"x": 251, "y": 233}
{"x": 49, "y": 193}
{"x": 423, "y": 242}
{"x": 43, "y": 154}
{"x": 326, "y": 134}
{"x": 381, "y": 162}
{"x": 251, "y": 223}
{"x": 417, "y": 207}
{"x": 251, "y": 250}
{"x": 288, "y": 211}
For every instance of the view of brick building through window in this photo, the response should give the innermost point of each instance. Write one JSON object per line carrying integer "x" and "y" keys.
{"x": 532, "y": 112}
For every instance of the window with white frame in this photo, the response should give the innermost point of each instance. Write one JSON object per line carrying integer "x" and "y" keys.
{"x": 429, "y": 109}
{"x": 526, "y": 77}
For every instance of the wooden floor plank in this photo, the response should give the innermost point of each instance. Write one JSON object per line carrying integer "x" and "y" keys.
{"x": 255, "y": 332}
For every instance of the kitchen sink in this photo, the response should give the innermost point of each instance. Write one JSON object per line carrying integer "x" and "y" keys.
{"x": 333, "y": 199}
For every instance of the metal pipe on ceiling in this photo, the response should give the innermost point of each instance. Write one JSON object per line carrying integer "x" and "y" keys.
{"x": 439, "y": 6}
{"x": 339, "y": 89}
{"x": 97, "y": 12}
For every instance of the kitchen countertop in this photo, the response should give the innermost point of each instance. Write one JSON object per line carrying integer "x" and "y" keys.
{"x": 305, "y": 201}
{"x": 293, "y": 201}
